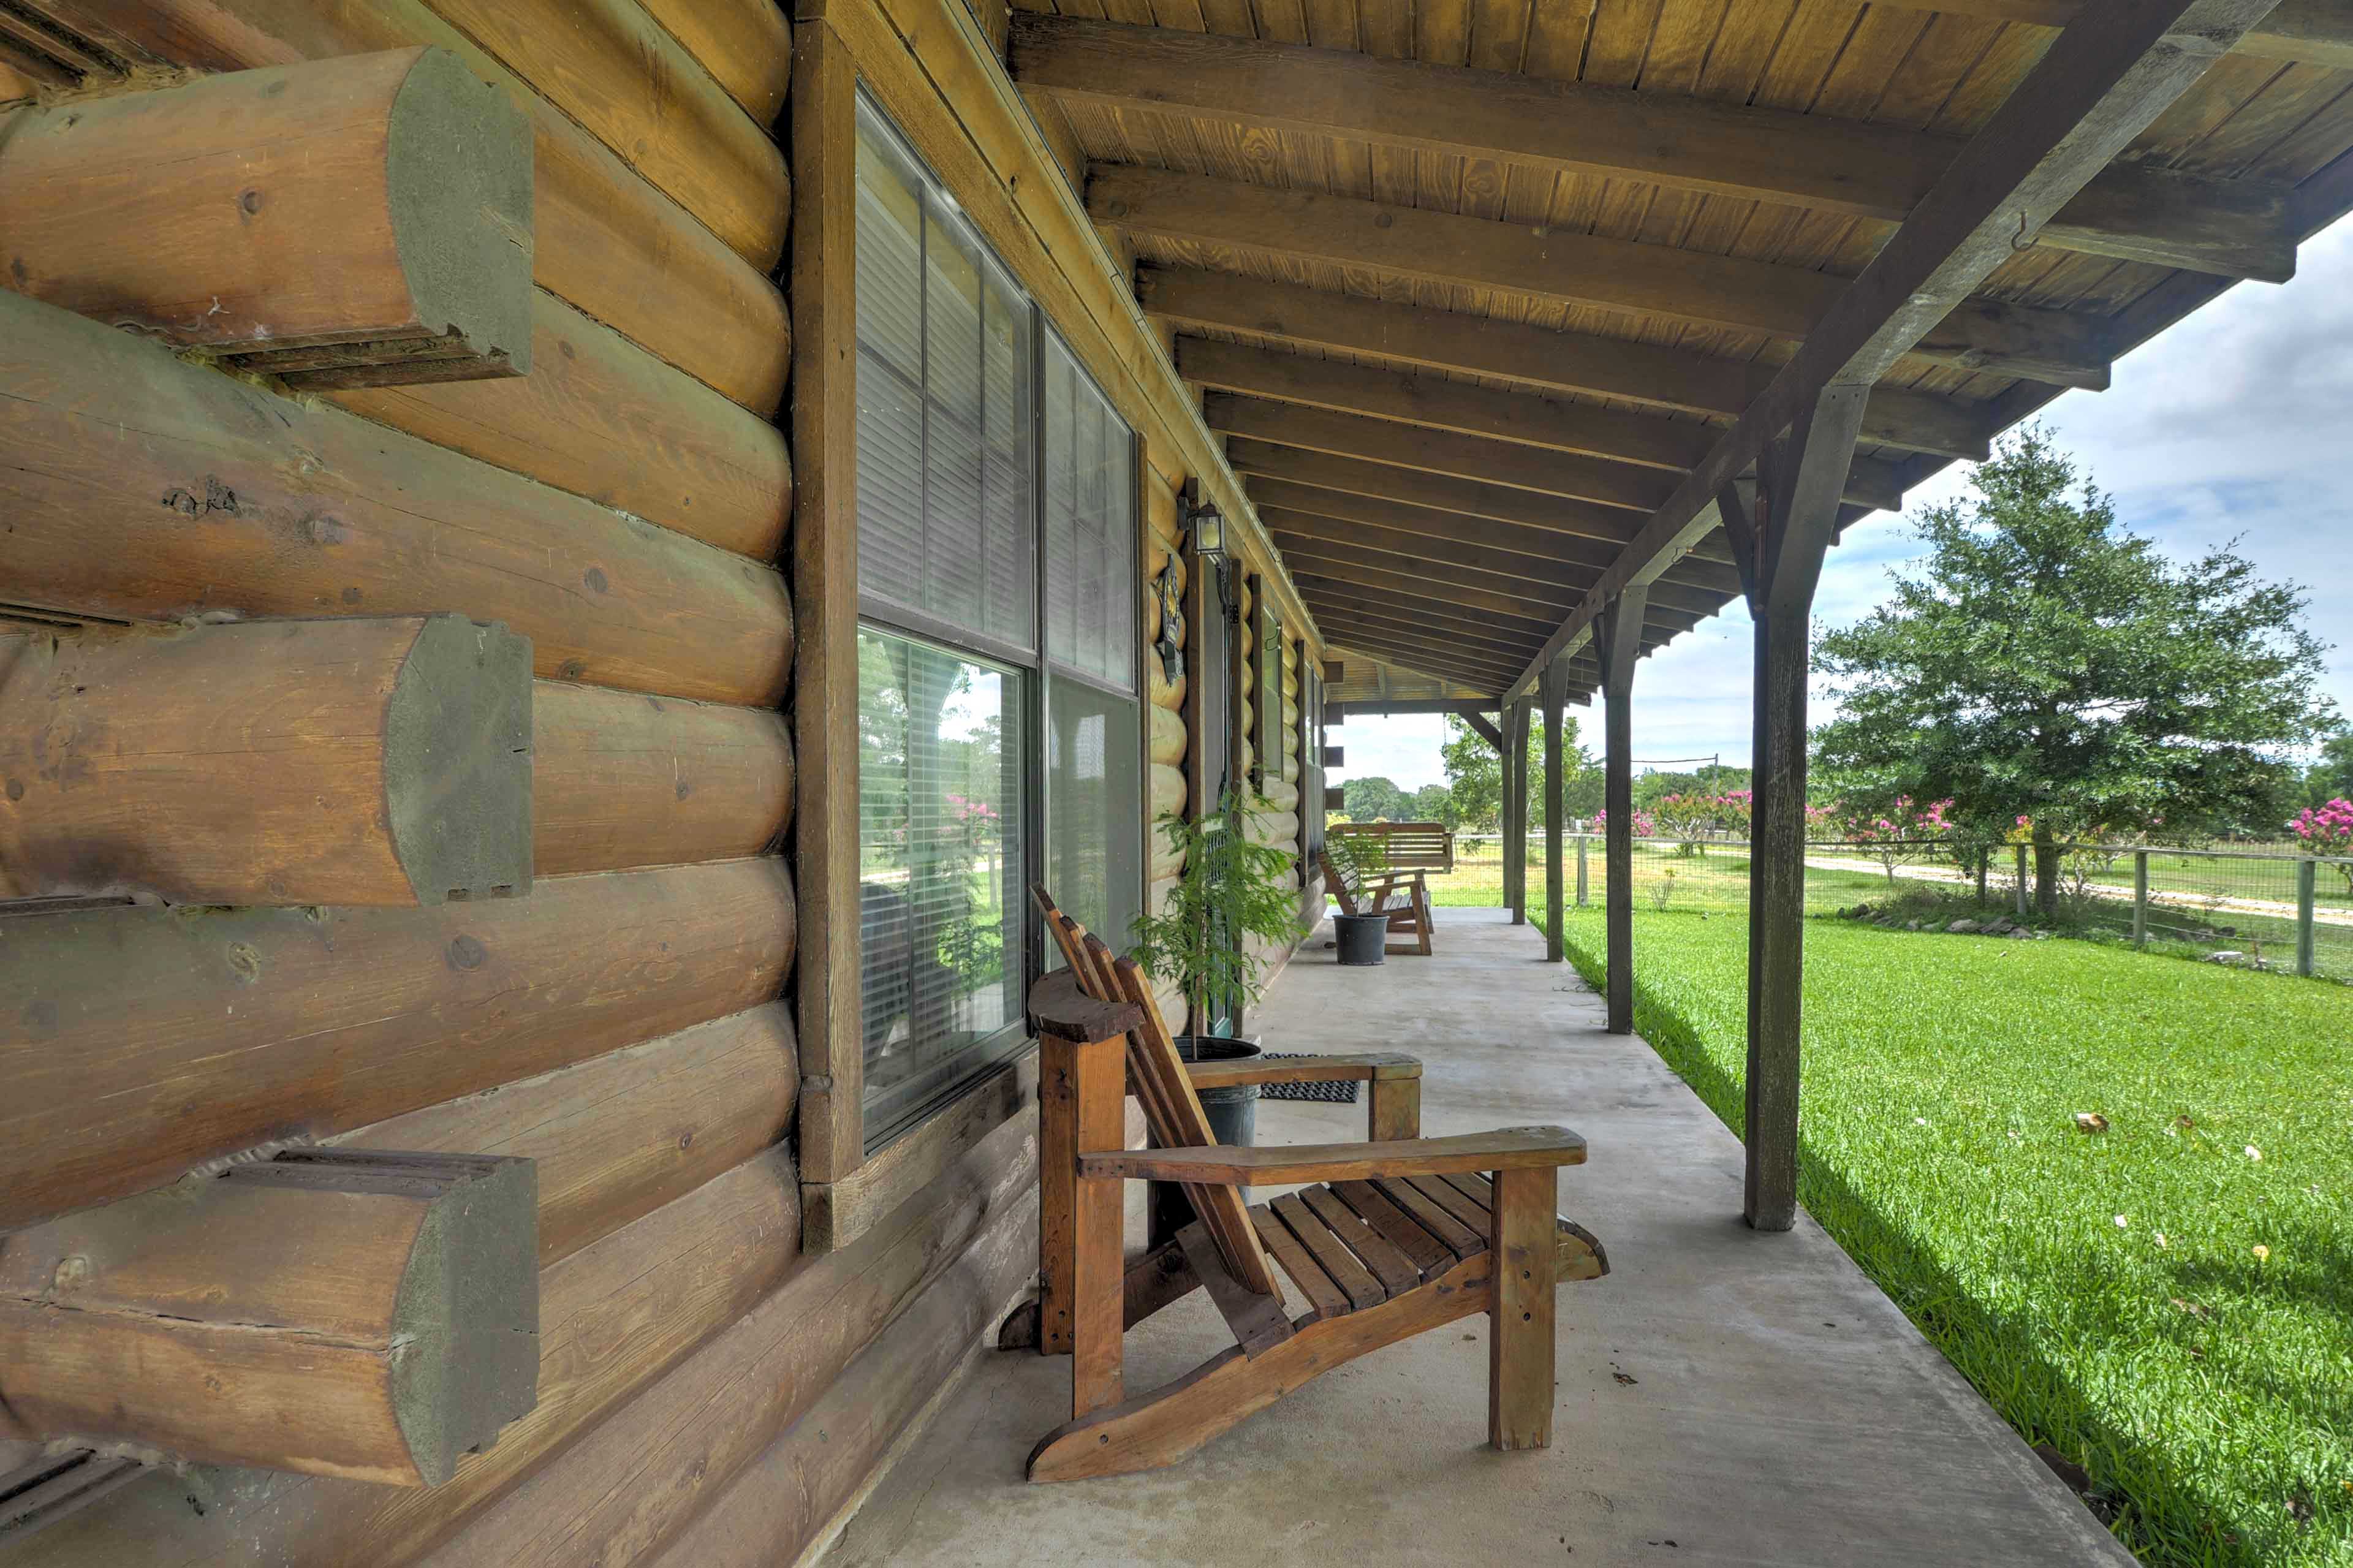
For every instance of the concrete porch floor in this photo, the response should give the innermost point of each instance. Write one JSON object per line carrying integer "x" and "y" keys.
{"x": 1724, "y": 1397}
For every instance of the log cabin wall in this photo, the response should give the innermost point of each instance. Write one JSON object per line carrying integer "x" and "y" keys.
{"x": 564, "y": 449}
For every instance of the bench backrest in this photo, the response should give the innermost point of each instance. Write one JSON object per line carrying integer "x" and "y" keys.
{"x": 1341, "y": 880}
{"x": 1171, "y": 1106}
{"x": 1411, "y": 846}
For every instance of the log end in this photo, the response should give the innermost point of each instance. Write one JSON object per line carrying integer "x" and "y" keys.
{"x": 466, "y": 1319}
{"x": 459, "y": 168}
{"x": 458, "y": 761}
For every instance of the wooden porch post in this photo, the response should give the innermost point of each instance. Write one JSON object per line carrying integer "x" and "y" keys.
{"x": 1618, "y": 640}
{"x": 1802, "y": 476}
{"x": 1550, "y": 687}
{"x": 1515, "y": 811}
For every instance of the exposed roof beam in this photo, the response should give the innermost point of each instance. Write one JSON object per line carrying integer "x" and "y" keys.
{"x": 2110, "y": 73}
{"x": 1374, "y": 618}
{"x": 1657, "y": 282}
{"x": 1471, "y": 410}
{"x": 1377, "y": 706}
{"x": 2233, "y": 228}
{"x": 2312, "y": 32}
{"x": 1467, "y": 586}
{"x": 1435, "y": 658}
{"x": 1580, "y": 511}
{"x": 1676, "y": 379}
{"x": 1529, "y": 631}
{"x": 1370, "y": 476}
{"x": 1699, "y": 585}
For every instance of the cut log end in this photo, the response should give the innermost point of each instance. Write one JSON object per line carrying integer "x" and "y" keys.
{"x": 458, "y": 761}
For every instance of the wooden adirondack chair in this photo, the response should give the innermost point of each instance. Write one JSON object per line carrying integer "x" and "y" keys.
{"x": 1397, "y": 1235}
{"x": 1403, "y": 896}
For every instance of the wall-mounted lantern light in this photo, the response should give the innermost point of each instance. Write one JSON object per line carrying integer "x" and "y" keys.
{"x": 1206, "y": 525}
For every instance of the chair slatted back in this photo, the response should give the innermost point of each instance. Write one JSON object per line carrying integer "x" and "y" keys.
{"x": 1172, "y": 1108}
{"x": 1341, "y": 880}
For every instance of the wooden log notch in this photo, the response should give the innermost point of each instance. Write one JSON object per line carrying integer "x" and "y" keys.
{"x": 1618, "y": 640}
{"x": 368, "y": 761}
{"x": 1782, "y": 552}
{"x": 349, "y": 1312}
{"x": 359, "y": 222}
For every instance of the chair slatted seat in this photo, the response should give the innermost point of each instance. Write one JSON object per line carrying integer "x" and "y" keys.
{"x": 1400, "y": 1235}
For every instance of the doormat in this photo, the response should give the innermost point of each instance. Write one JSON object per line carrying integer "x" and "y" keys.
{"x": 1341, "y": 1092}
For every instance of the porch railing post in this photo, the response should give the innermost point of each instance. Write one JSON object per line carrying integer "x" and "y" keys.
{"x": 1618, "y": 640}
{"x": 1549, "y": 685}
{"x": 2140, "y": 898}
{"x": 2306, "y": 874}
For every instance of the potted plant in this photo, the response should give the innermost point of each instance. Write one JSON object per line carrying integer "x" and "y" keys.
{"x": 1363, "y": 858}
{"x": 1232, "y": 889}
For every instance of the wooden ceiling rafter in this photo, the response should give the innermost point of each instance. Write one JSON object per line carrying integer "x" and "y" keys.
{"x": 1639, "y": 281}
{"x": 1870, "y": 170}
{"x": 1464, "y": 587}
{"x": 1541, "y": 359}
{"x": 1434, "y": 660}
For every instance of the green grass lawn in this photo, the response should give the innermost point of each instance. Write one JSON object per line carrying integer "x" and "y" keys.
{"x": 2161, "y": 1305}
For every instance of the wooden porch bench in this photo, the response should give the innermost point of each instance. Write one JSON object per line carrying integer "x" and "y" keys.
{"x": 1403, "y": 896}
{"x": 1391, "y": 1238}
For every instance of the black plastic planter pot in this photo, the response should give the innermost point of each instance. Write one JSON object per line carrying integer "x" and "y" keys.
{"x": 1363, "y": 939}
{"x": 1233, "y": 1121}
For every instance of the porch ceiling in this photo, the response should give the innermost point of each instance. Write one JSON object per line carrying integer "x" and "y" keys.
{"x": 1471, "y": 290}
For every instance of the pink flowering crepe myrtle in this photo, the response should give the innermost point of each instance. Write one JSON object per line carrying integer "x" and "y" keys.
{"x": 2327, "y": 830}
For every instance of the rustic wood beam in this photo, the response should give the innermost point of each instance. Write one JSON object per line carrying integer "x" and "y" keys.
{"x": 1429, "y": 660}
{"x": 2129, "y": 60}
{"x": 1399, "y": 517}
{"x": 312, "y": 762}
{"x": 1345, "y": 595}
{"x": 1485, "y": 728}
{"x": 1515, "y": 811}
{"x": 1809, "y": 161}
{"x": 1376, "y": 615}
{"x": 1428, "y": 642}
{"x": 611, "y": 237}
{"x": 1441, "y": 536}
{"x": 2309, "y": 32}
{"x": 1618, "y": 644}
{"x": 1373, "y": 476}
{"x": 358, "y": 1313}
{"x": 1551, "y": 697}
{"x": 142, "y": 488}
{"x": 1674, "y": 379}
{"x": 1400, "y": 624}
{"x": 1467, "y": 586}
{"x": 1653, "y": 281}
{"x": 146, "y": 1042}
{"x": 1469, "y": 410}
{"x": 360, "y": 222}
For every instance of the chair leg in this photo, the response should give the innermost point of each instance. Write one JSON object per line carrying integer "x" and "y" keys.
{"x": 1098, "y": 1264}
{"x": 1421, "y": 908}
{"x": 1519, "y": 1322}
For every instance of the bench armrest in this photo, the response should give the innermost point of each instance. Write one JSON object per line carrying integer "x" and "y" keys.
{"x": 1351, "y": 1069}
{"x": 1512, "y": 1148}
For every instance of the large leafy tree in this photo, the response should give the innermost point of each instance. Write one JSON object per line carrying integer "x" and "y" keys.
{"x": 1474, "y": 773}
{"x": 1373, "y": 799}
{"x": 2046, "y": 662}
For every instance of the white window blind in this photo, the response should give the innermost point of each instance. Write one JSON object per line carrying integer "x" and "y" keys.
{"x": 946, "y": 515}
{"x": 1089, "y": 506}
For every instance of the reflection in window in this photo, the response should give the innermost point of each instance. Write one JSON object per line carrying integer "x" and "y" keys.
{"x": 941, "y": 898}
{"x": 1094, "y": 857}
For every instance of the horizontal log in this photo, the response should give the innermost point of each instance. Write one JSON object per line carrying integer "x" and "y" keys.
{"x": 615, "y": 1138}
{"x": 747, "y": 45}
{"x": 624, "y": 780}
{"x": 343, "y": 762}
{"x": 360, "y": 221}
{"x": 601, "y": 417}
{"x": 605, "y": 238}
{"x": 1651, "y": 373}
{"x": 614, "y": 1318}
{"x": 614, "y": 69}
{"x": 785, "y": 1502}
{"x": 1563, "y": 128}
{"x": 146, "y": 1041}
{"x": 629, "y": 1487}
{"x": 365, "y": 1314}
{"x": 1166, "y": 792}
{"x": 1167, "y": 735}
{"x": 163, "y": 489}
{"x": 1656, "y": 282}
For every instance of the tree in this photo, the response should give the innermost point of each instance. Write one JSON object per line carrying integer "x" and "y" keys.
{"x": 1474, "y": 773}
{"x": 1434, "y": 803}
{"x": 1373, "y": 799}
{"x": 2046, "y": 662}
{"x": 2331, "y": 777}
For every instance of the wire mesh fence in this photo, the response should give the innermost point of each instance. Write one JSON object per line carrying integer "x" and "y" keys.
{"x": 2275, "y": 911}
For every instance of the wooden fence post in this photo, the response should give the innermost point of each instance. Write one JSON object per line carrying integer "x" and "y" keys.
{"x": 2306, "y": 873}
{"x": 1583, "y": 879}
{"x": 2021, "y": 882}
{"x": 2140, "y": 898}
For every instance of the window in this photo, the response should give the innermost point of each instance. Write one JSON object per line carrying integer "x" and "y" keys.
{"x": 998, "y": 720}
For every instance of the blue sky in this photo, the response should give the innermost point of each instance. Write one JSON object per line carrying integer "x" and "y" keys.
{"x": 2238, "y": 423}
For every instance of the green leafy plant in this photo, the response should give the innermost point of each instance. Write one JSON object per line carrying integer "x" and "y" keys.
{"x": 1232, "y": 889}
{"x": 1363, "y": 855}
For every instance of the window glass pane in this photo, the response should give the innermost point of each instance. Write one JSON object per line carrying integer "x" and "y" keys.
{"x": 1094, "y": 807}
{"x": 950, "y": 533}
{"x": 1090, "y": 511}
{"x": 940, "y": 903}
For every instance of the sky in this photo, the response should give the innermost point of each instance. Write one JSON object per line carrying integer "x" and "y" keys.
{"x": 2235, "y": 424}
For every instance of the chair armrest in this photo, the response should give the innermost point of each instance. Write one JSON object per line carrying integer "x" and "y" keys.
{"x": 1512, "y": 1148}
{"x": 1351, "y": 1069}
